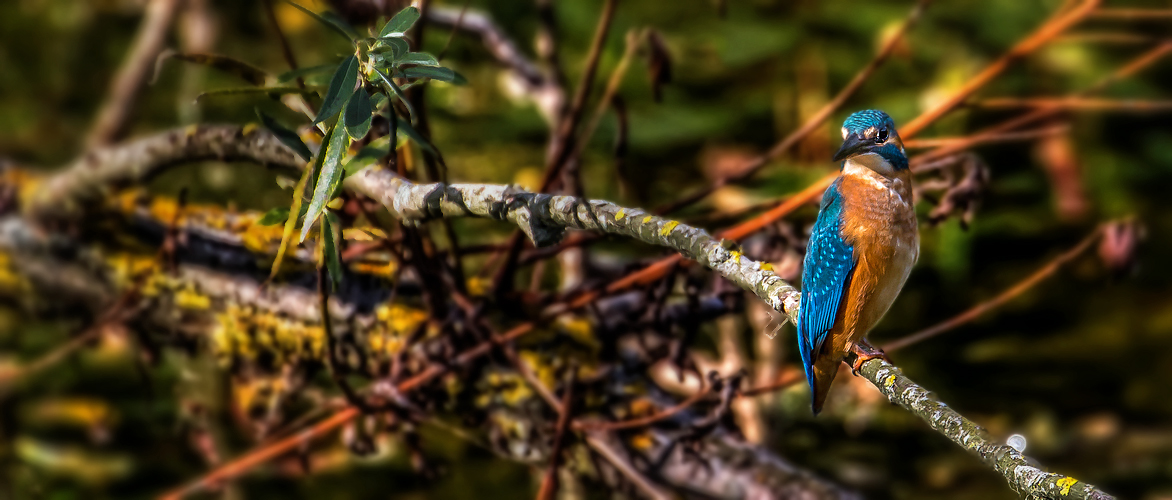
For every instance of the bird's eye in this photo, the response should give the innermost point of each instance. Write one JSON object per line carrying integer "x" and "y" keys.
{"x": 881, "y": 137}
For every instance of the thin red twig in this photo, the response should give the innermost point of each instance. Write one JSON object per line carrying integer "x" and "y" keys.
{"x": 1001, "y": 299}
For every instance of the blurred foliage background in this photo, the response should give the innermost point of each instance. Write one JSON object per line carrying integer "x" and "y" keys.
{"x": 1080, "y": 365}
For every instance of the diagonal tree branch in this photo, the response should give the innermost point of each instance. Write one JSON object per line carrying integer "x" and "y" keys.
{"x": 114, "y": 115}
{"x": 544, "y": 218}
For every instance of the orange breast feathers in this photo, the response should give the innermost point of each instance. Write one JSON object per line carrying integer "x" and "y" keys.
{"x": 879, "y": 221}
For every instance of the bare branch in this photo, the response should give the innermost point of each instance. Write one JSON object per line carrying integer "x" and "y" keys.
{"x": 114, "y": 116}
{"x": 99, "y": 173}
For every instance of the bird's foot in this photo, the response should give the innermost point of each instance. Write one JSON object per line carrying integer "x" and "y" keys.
{"x": 865, "y": 352}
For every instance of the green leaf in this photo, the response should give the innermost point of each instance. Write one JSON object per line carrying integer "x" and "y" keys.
{"x": 274, "y": 217}
{"x": 409, "y": 131}
{"x": 399, "y": 24}
{"x": 269, "y": 91}
{"x": 330, "y": 176}
{"x": 435, "y": 73}
{"x": 331, "y": 234}
{"x": 297, "y": 206}
{"x": 368, "y": 155}
{"x": 340, "y": 23}
{"x": 328, "y": 23}
{"x": 286, "y": 136}
{"x": 398, "y": 92}
{"x": 245, "y": 71}
{"x": 341, "y": 86}
{"x": 358, "y": 116}
{"x": 396, "y": 46}
{"x": 289, "y": 76}
{"x": 378, "y": 101}
{"x": 420, "y": 58}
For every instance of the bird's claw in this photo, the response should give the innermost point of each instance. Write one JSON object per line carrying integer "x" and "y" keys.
{"x": 865, "y": 352}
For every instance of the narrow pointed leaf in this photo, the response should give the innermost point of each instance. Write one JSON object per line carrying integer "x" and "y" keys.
{"x": 396, "y": 47}
{"x": 341, "y": 86}
{"x": 331, "y": 236}
{"x": 435, "y": 73}
{"x": 377, "y": 101}
{"x": 287, "y": 137}
{"x": 291, "y": 75}
{"x": 245, "y": 71}
{"x": 420, "y": 58}
{"x": 368, "y": 155}
{"x": 409, "y": 131}
{"x": 339, "y": 23}
{"x": 330, "y": 176}
{"x": 402, "y": 22}
{"x": 274, "y": 217}
{"x": 398, "y": 92}
{"x": 269, "y": 91}
{"x": 358, "y": 115}
{"x": 323, "y": 20}
{"x": 297, "y": 206}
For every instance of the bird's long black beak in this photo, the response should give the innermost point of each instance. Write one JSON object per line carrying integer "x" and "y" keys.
{"x": 854, "y": 144}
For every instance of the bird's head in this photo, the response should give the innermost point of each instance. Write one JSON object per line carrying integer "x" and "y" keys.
{"x": 869, "y": 138}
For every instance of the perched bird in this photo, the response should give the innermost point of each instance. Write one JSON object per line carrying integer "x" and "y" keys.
{"x": 861, "y": 249}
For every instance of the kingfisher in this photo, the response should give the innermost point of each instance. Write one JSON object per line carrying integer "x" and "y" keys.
{"x": 861, "y": 250}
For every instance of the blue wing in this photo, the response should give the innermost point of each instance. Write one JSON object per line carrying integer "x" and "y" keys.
{"x": 826, "y": 271}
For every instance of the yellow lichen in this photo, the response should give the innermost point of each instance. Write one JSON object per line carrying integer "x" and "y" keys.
{"x": 248, "y": 129}
{"x": 666, "y": 230}
{"x": 395, "y": 324}
{"x": 647, "y": 219}
{"x": 243, "y": 333}
{"x": 642, "y": 441}
{"x": 579, "y": 329}
{"x": 363, "y": 234}
{"x": 385, "y": 269}
{"x": 735, "y": 256}
{"x": 478, "y": 286}
{"x": 262, "y": 239}
{"x": 890, "y": 381}
{"x": 1066, "y": 483}
{"x": 621, "y": 213}
{"x": 540, "y": 367}
{"x": 765, "y": 266}
{"x": 188, "y": 298}
{"x": 10, "y": 281}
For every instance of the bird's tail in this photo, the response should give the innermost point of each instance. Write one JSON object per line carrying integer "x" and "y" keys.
{"x": 825, "y": 369}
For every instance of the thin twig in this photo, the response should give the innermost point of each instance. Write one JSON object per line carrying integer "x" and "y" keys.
{"x": 1132, "y": 13}
{"x": 1048, "y": 31}
{"x": 604, "y": 448}
{"x": 452, "y": 34}
{"x": 549, "y": 483}
{"x": 114, "y": 116}
{"x": 270, "y": 451}
{"x": 612, "y": 87}
{"x": 1024, "y": 135}
{"x": 1075, "y": 103}
{"x": 751, "y": 166}
{"x": 286, "y": 51}
{"x": 1001, "y": 299}
{"x": 562, "y": 140}
{"x": 635, "y": 423}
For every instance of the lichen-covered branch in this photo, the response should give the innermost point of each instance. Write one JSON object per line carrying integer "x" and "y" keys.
{"x": 98, "y": 174}
{"x": 196, "y": 301}
{"x": 544, "y": 218}
{"x": 1026, "y": 479}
